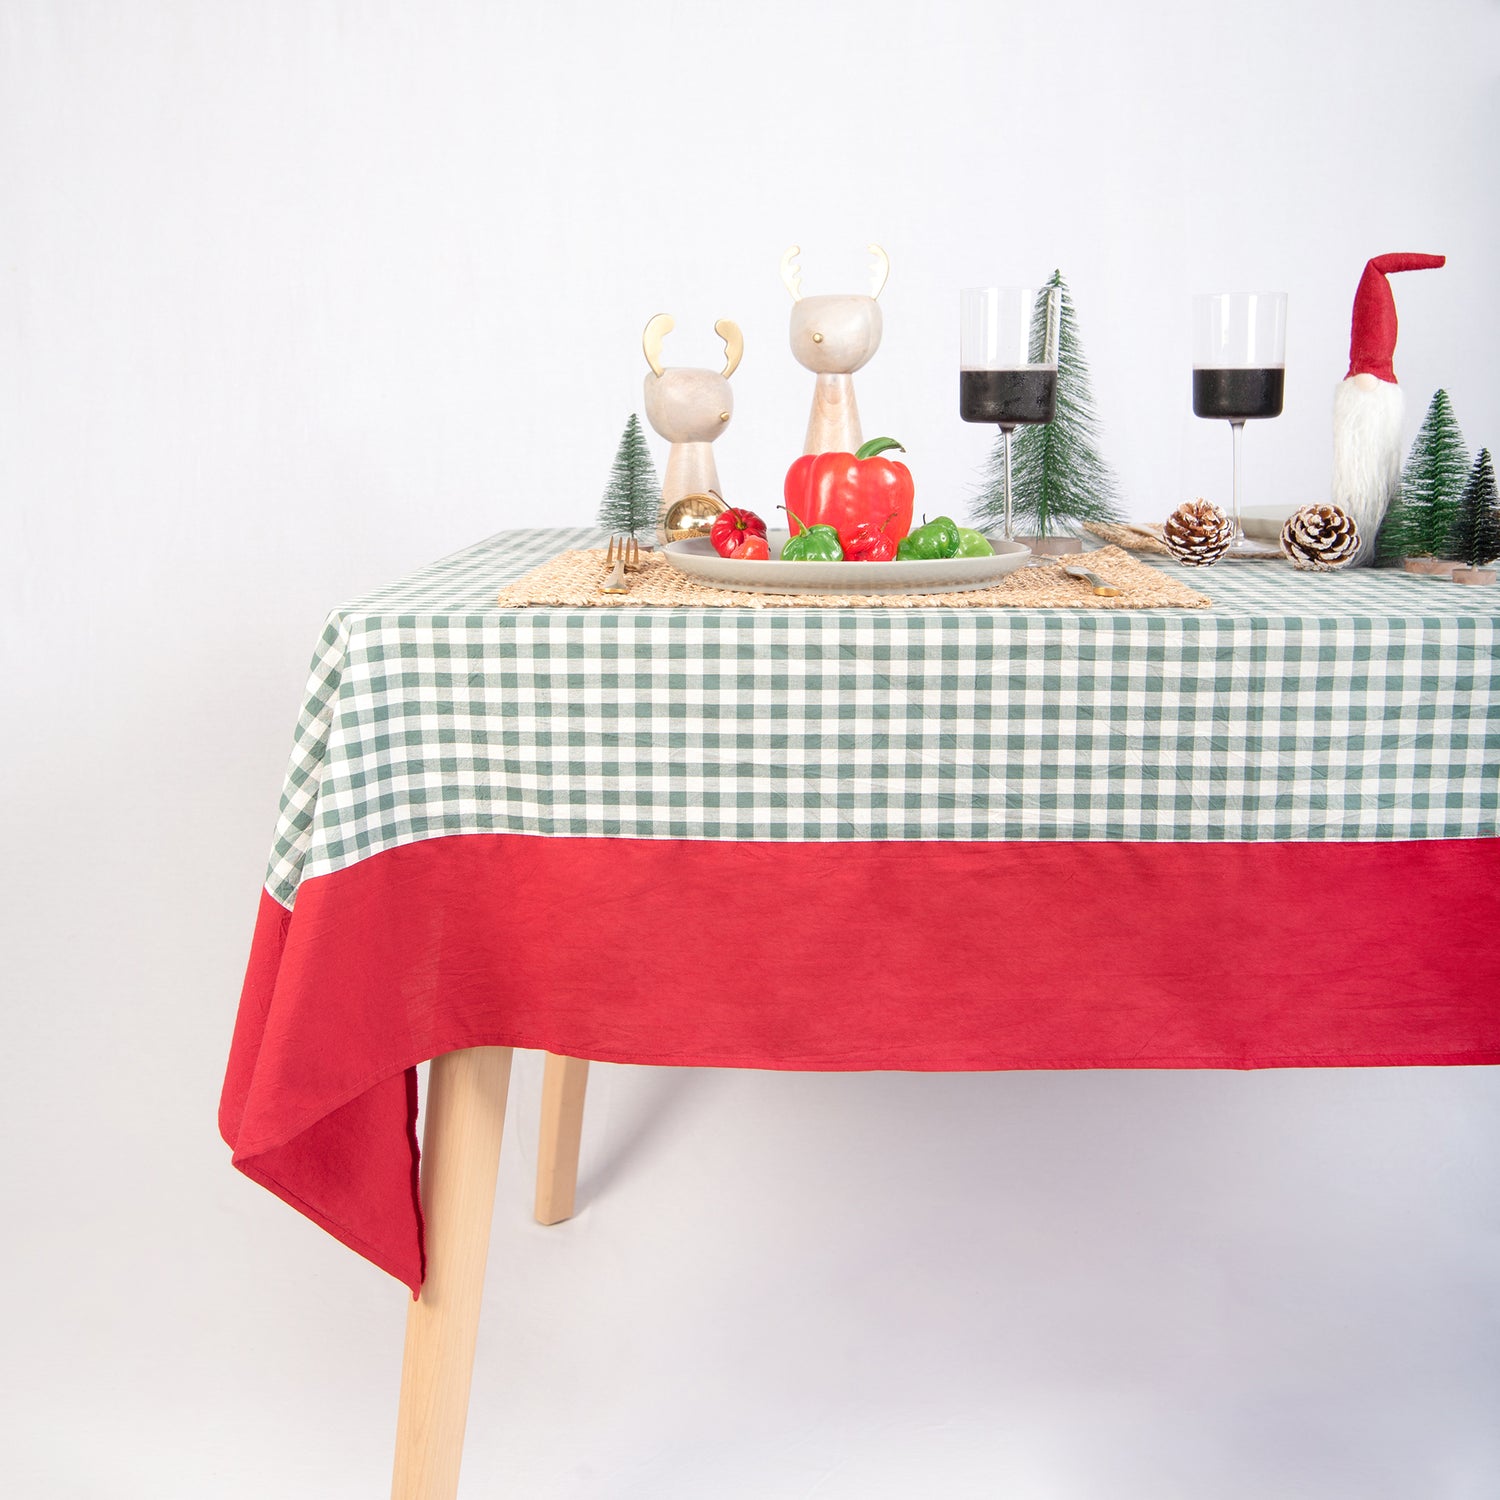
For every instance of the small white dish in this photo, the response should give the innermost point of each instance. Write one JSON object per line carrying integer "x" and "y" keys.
{"x": 1263, "y": 523}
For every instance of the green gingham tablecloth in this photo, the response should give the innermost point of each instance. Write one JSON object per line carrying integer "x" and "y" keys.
{"x": 1346, "y": 706}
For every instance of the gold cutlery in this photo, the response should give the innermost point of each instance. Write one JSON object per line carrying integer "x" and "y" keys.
{"x": 623, "y": 556}
{"x": 1089, "y": 577}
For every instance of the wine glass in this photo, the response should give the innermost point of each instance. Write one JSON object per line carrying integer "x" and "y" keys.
{"x": 1007, "y": 356}
{"x": 1239, "y": 374}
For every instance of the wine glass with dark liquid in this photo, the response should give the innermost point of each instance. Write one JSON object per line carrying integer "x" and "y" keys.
{"x": 1239, "y": 375}
{"x": 1007, "y": 355}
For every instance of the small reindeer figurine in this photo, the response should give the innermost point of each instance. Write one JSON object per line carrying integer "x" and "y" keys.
{"x": 689, "y": 408}
{"x": 834, "y": 336}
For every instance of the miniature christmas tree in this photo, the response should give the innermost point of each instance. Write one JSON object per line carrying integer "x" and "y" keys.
{"x": 1437, "y": 468}
{"x": 1059, "y": 479}
{"x": 1475, "y": 540}
{"x": 631, "y": 502}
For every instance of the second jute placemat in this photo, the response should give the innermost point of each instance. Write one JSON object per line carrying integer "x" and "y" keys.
{"x": 573, "y": 579}
{"x": 1129, "y": 534}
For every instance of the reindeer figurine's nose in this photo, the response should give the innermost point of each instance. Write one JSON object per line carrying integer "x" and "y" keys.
{"x": 817, "y": 338}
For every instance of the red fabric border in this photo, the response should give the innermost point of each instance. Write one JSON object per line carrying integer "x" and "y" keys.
{"x": 823, "y": 956}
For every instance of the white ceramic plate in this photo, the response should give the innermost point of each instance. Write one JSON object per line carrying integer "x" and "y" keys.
{"x": 948, "y": 575}
{"x": 1263, "y": 522}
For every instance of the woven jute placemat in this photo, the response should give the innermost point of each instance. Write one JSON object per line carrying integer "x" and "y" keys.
{"x": 573, "y": 579}
{"x": 1127, "y": 534}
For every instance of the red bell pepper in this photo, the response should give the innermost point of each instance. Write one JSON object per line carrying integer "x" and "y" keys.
{"x": 847, "y": 490}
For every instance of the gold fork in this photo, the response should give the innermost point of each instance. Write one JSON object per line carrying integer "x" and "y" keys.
{"x": 624, "y": 556}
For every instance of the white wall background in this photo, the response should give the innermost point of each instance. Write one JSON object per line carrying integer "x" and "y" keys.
{"x": 294, "y": 297}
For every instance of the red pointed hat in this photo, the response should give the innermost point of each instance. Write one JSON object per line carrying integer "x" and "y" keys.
{"x": 1372, "y": 334}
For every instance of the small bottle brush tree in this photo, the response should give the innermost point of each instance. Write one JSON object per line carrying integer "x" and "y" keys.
{"x": 633, "y": 498}
{"x": 1058, "y": 477}
{"x": 1437, "y": 468}
{"x": 1475, "y": 539}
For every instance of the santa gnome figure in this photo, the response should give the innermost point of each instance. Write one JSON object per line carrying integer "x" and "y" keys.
{"x": 1368, "y": 405}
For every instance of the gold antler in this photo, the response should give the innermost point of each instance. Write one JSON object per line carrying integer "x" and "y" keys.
{"x": 792, "y": 274}
{"x": 880, "y": 270}
{"x": 656, "y": 330}
{"x": 734, "y": 344}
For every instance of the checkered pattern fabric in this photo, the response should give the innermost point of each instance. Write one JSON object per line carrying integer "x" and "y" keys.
{"x": 1302, "y": 706}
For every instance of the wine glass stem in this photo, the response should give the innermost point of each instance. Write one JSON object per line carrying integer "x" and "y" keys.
{"x": 1238, "y": 428}
{"x": 1006, "y": 432}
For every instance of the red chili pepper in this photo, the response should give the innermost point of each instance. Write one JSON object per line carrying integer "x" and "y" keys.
{"x": 846, "y": 490}
{"x": 871, "y": 543}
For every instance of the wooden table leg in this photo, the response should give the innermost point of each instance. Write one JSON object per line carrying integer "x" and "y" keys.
{"x": 563, "y": 1085}
{"x": 460, "y": 1156}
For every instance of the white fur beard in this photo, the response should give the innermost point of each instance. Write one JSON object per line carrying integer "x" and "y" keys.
{"x": 1367, "y": 415}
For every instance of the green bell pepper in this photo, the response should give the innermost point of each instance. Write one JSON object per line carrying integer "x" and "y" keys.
{"x": 972, "y": 544}
{"x": 812, "y": 544}
{"x": 932, "y": 539}
{"x": 816, "y": 544}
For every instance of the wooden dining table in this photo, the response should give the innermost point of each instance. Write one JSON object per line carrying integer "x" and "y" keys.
{"x": 1260, "y": 834}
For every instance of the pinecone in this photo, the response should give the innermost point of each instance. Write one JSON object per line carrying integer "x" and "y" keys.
{"x": 1198, "y": 532}
{"x": 1320, "y": 538}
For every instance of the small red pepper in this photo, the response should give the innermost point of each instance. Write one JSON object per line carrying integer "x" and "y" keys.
{"x": 752, "y": 549}
{"x": 731, "y": 527}
{"x": 846, "y": 490}
{"x": 871, "y": 543}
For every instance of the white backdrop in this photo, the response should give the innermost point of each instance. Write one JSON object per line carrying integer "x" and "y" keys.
{"x": 296, "y": 296}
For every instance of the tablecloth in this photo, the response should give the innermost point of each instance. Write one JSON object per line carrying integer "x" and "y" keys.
{"x": 1257, "y": 835}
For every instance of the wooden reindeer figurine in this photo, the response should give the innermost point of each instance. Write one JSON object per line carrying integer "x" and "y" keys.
{"x": 689, "y": 408}
{"x": 834, "y": 336}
